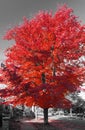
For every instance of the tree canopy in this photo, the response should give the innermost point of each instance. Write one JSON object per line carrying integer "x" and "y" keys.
{"x": 45, "y": 63}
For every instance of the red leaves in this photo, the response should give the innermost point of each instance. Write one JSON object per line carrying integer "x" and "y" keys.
{"x": 49, "y": 45}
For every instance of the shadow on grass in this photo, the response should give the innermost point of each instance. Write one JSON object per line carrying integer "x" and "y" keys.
{"x": 52, "y": 125}
{"x": 60, "y": 125}
{"x": 14, "y": 125}
{"x": 42, "y": 126}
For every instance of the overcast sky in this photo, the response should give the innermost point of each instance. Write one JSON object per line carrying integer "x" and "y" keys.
{"x": 12, "y": 12}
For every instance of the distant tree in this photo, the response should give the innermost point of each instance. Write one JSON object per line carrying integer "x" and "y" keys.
{"x": 79, "y": 105}
{"x": 44, "y": 64}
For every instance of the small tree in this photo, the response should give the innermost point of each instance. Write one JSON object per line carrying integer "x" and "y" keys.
{"x": 44, "y": 64}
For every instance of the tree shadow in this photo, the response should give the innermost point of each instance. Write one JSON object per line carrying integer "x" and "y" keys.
{"x": 14, "y": 125}
{"x": 52, "y": 125}
{"x": 42, "y": 126}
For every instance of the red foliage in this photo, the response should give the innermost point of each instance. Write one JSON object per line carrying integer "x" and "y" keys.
{"x": 45, "y": 62}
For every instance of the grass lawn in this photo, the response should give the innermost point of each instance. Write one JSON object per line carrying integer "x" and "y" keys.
{"x": 62, "y": 123}
{"x": 55, "y": 123}
{"x": 41, "y": 126}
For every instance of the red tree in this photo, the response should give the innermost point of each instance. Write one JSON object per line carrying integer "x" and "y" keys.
{"x": 44, "y": 64}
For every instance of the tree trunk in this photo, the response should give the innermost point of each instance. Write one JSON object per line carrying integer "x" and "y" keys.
{"x": 45, "y": 109}
{"x": 71, "y": 112}
{"x": 45, "y": 116}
